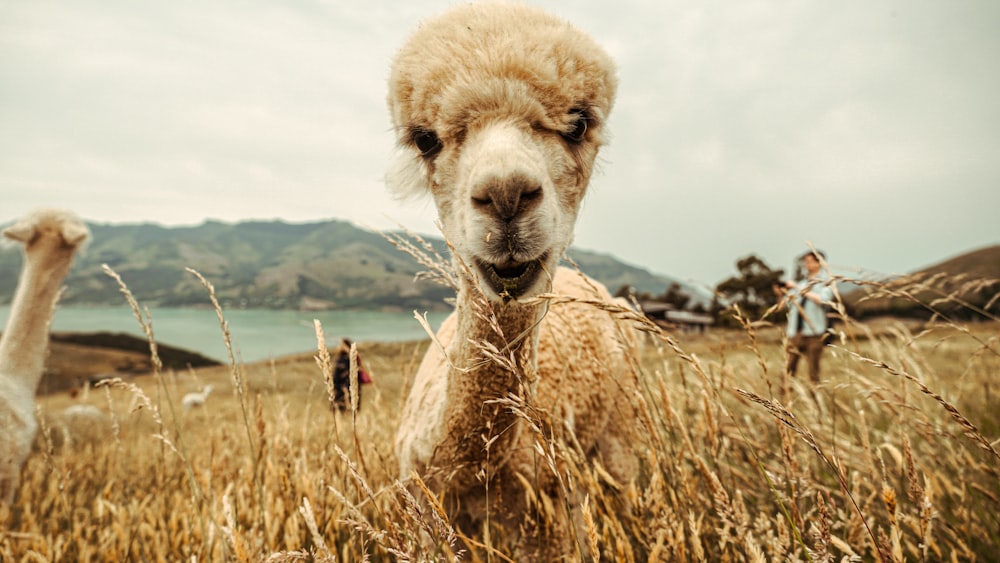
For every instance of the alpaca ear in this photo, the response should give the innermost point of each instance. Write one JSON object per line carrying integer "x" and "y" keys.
{"x": 22, "y": 231}
{"x": 74, "y": 233}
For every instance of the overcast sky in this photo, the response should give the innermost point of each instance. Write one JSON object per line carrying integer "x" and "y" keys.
{"x": 871, "y": 129}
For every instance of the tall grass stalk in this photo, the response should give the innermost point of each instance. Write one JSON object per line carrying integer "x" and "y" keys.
{"x": 146, "y": 323}
{"x": 238, "y": 383}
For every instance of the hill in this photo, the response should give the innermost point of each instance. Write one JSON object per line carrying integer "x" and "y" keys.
{"x": 261, "y": 264}
{"x": 964, "y": 286}
{"x": 76, "y": 357}
{"x": 981, "y": 263}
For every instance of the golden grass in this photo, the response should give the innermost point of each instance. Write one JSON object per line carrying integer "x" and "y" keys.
{"x": 893, "y": 457}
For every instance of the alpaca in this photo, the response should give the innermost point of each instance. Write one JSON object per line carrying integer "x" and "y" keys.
{"x": 83, "y": 412}
{"x": 500, "y": 111}
{"x": 192, "y": 400}
{"x": 80, "y": 424}
{"x": 50, "y": 239}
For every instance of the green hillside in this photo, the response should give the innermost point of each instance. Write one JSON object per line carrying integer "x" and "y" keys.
{"x": 327, "y": 264}
{"x": 964, "y": 287}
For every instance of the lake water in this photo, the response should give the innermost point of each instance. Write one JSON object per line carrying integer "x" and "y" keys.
{"x": 256, "y": 334}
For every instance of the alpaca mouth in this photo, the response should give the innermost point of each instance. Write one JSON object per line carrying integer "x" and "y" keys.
{"x": 511, "y": 280}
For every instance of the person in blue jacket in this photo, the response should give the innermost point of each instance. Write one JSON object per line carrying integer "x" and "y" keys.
{"x": 807, "y": 302}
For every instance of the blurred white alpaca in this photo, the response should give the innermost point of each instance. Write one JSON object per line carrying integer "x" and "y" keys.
{"x": 83, "y": 412}
{"x": 81, "y": 424}
{"x": 50, "y": 238}
{"x": 192, "y": 400}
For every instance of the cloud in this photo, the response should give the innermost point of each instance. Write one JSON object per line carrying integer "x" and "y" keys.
{"x": 734, "y": 122}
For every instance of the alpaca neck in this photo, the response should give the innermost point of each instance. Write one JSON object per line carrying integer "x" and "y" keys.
{"x": 475, "y": 382}
{"x": 26, "y": 337}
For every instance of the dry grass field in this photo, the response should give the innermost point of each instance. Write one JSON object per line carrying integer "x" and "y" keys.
{"x": 893, "y": 457}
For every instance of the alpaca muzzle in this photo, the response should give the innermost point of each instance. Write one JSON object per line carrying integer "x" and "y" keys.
{"x": 511, "y": 280}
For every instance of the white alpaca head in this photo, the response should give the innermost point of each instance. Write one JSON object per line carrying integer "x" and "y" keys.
{"x": 48, "y": 226}
{"x": 499, "y": 112}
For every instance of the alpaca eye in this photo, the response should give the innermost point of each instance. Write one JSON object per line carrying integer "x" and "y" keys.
{"x": 579, "y": 126}
{"x": 427, "y": 142}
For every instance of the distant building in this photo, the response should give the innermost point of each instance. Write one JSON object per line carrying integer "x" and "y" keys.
{"x": 667, "y": 316}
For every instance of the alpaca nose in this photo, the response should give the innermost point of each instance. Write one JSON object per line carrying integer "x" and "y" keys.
{"x": 507, "y": 197}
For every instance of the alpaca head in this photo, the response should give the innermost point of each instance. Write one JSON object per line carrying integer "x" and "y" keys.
{"x": 52, "y": 233}
{"x": 499, "y": 111}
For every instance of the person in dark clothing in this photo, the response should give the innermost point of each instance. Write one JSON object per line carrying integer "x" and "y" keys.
{"x": 342, "y": 377}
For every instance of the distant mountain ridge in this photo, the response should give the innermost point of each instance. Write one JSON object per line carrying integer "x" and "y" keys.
{"x": 272, "y": 264}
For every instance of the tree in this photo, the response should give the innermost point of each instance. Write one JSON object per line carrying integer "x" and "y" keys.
{"x": 625, "y": 291}
{"x": 752, "y": 289}
{"x": 676, "y": 296}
